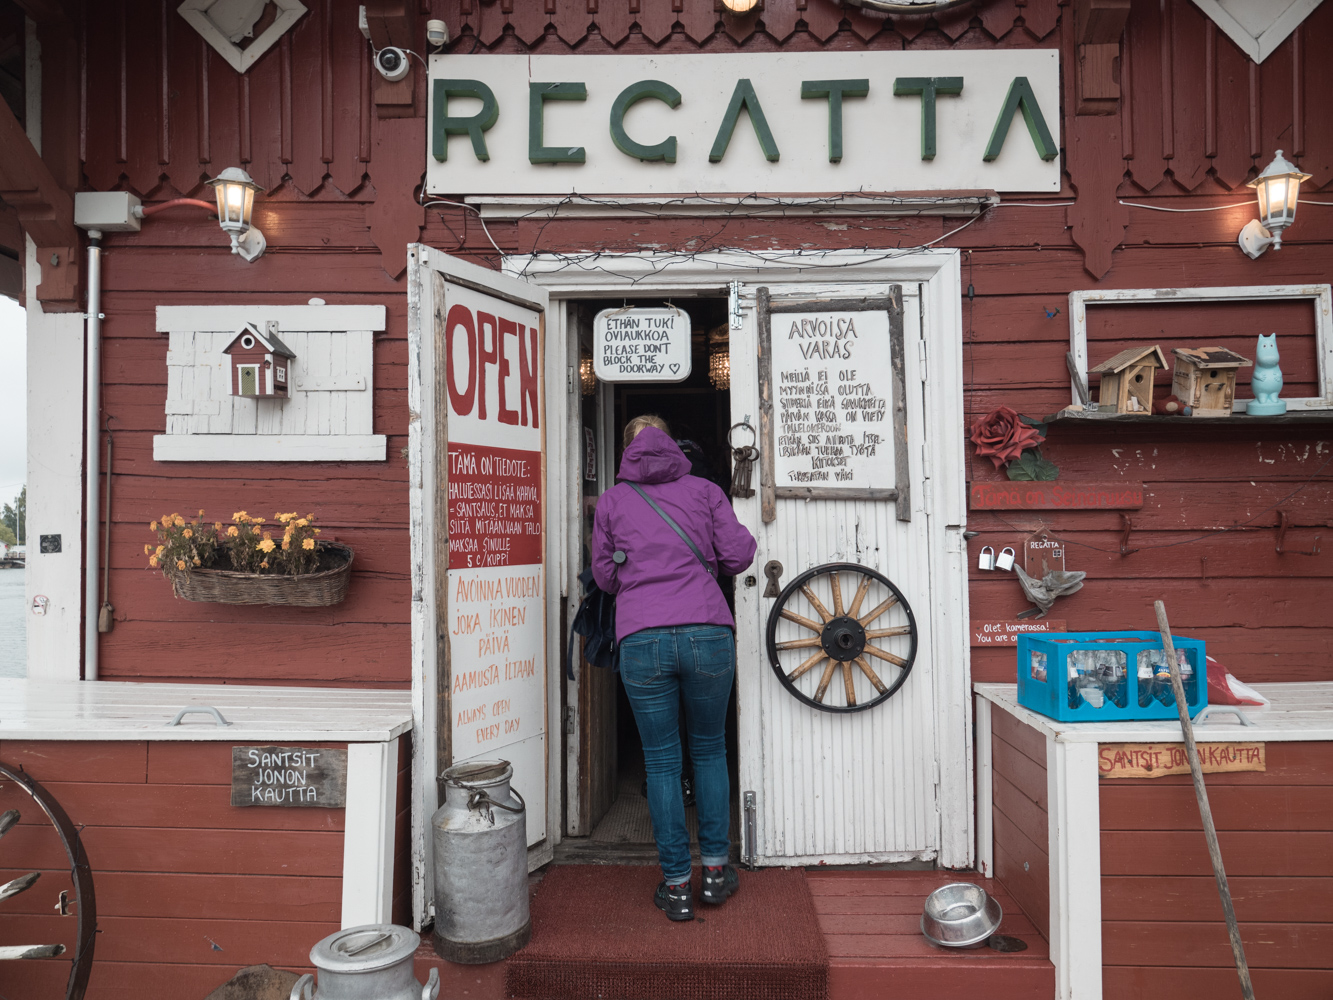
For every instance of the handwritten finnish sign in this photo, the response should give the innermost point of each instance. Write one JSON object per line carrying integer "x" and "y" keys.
{"x": 832, "y": 400}
{"x": 641, "y": 345}
{"x": 288, "y": 776}
{"x": 1055, "y": 496}
{"x": 1006, "y": 633}
{"x": 1157, "y": 760}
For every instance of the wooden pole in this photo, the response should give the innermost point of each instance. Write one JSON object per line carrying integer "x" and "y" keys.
{"x": 1201, "y": 793}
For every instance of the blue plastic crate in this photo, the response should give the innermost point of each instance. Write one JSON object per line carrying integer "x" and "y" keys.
{"x": 1064, "y": 674}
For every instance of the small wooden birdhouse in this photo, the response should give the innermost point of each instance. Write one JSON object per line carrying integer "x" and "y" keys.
{"x": 1127, "y": 380}
{"x": 1205, "y": 379}
{"x": 260, "y": 362}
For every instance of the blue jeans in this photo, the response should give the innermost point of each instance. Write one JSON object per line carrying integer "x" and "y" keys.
{"x": 658, "y": 666}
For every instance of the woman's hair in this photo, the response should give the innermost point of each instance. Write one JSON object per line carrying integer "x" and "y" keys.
{"x": 639, "y": 423}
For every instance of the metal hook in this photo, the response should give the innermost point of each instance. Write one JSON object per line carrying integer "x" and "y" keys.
{"x": 1280, "y": 545}
{"x": 1126, "y": 526}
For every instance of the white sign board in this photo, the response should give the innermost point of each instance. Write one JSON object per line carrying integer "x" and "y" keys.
{"x": 641, "y": 345}
{"x": 497, "y": 624}
{"x": 833, "y": 400}
{"x": 790, "y": 122}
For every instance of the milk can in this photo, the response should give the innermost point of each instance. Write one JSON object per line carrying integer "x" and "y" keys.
{"x": 481, "y": 865}
{"x": 370, "y": 962}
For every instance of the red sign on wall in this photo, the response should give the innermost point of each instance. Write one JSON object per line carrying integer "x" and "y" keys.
{"x": 495, "y": 507}
{"x": 1055, "y": 496}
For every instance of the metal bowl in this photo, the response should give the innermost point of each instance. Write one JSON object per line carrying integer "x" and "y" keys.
{"x": 960, "y": 915}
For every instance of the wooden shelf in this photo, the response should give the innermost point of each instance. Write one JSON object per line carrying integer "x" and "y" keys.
{"x": 1236, "y": 420}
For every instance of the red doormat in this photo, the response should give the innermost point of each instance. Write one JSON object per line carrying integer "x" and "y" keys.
{"x": 596, "y": 934}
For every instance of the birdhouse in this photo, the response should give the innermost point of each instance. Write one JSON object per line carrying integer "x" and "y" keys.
{"x": 1127, "y": 380}
{"x": 1205, "y": 379}
{"x": 260, "y": 362}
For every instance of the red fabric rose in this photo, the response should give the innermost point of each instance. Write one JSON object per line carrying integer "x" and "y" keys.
{"x": 1001, "y": 436}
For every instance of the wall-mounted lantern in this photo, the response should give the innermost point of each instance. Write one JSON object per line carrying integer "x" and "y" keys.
{"x": 235, "y": 191}
{"x": 739, "y": 6}
{"x": 1277, "y": 189}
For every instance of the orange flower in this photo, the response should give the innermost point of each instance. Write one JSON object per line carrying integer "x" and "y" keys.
{"x": 152, "y": 525}
{"x": 196, "y": 561}
{"x": 188, "y": 533}
{"x": 232, "y": 532}
{"x": 152, "y": 561}
{"x": 180, "y": 563}
{"x": 264, "y": 564}
{"x": 148, "y": 550}
{"x": 201, "y": 512}
{"x": 180, "y": 521}
{"x": 217, "y": 525}
{"x": 160, "y": 548}
{"x": 308, "y": 544}
{"x": 302, "y": 522}
{"x": 267, "y": 545}
{"x": 286, "y": 543}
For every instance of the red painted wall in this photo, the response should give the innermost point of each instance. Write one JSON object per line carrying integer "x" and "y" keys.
{"x": 1196, "y": 120}
{"x": 188, "y": 888}
{"x": 1163, "y": 933}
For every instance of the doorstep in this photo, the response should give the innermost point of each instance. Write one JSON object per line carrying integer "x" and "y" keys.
{"x": 870, "y": 924}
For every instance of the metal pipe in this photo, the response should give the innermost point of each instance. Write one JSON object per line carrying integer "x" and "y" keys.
{"x": 92, "y": 395}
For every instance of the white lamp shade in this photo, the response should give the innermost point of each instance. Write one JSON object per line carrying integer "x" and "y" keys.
{"x": 235, "y": 192}
{"x": 1278, "y": 189}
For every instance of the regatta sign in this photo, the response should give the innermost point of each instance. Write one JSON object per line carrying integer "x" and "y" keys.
{"x": 783, "y": 122}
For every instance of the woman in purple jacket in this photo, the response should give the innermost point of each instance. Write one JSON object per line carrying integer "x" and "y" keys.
{"x": 677, "y": 637}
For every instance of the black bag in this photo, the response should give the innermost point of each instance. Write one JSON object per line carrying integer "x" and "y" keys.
{"x": 596, "y": 622}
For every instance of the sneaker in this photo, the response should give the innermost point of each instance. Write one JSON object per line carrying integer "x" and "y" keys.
{"x": 719, "y": 883}
{"x": 676, "y": 900}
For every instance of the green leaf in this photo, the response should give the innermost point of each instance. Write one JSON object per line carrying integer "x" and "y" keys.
{"x": 1024, "y": 468}
{"x": 1046, "y": 471}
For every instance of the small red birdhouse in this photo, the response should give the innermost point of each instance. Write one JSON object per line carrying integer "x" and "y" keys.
{"x": 260, "y": 362}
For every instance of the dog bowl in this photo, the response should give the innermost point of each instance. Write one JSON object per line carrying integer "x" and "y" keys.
{"x": 960, "y": 915}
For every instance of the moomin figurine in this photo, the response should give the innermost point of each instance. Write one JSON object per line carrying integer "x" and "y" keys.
{"x": 1266, "y": 380}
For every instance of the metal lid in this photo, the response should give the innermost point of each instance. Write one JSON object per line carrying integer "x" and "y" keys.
{"x": 479, "y": 773}
{"x": 365, "y": 948}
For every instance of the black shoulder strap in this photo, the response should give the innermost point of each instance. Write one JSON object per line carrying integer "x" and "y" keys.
{"x": 674, "y": 526}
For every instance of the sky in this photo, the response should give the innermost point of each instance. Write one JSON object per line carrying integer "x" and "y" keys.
{"x": 13, "y": 399}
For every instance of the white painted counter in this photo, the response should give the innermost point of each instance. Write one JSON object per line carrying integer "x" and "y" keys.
{"x": 370, "y": 722}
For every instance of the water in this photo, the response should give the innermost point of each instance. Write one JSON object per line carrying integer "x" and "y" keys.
{"x": 13, "y": 625}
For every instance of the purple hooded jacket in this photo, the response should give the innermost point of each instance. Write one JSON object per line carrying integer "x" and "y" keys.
{"x": 661, "y": 583}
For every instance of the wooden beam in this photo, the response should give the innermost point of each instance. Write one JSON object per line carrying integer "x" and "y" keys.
{"x": 1098, "y": 27}
{"x": 45, "y": 211}
{"x": 48, "y": 13}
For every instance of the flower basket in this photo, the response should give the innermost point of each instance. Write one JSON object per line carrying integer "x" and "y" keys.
{"x": 326, "y": 585}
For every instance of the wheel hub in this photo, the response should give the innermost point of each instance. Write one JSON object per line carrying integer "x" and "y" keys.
{"x": 843, "y": 638}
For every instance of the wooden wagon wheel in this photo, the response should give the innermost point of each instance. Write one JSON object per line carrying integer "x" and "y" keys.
{"x": 843, "y": 637}
{"x": 80, "y": 874}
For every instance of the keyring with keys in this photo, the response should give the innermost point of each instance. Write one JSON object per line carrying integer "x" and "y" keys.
{"x": 743, "y": 458}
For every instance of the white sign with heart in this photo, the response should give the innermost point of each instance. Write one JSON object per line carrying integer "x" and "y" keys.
{"x": 641, "y": 345}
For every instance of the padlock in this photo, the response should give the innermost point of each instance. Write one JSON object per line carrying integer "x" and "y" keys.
{"x": 987, "y": 558}
{"x": 1006, "y": 559}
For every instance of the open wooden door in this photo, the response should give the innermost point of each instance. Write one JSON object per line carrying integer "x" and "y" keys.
{"x": 477, "y": 456}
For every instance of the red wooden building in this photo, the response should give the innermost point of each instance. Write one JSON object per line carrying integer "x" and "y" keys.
{"x": 1092, "y": 208}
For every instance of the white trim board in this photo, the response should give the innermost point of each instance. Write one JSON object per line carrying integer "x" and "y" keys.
{"x": 269, "y": 448}
{"x": 1269, "y": 23}
{"x": 307, "y": 317}
{"x": 1319, "y": 296}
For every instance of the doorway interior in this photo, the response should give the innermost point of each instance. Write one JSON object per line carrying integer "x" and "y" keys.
{"x": 606, "y": 811}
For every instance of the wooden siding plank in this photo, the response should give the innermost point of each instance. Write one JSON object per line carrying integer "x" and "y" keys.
{"x": 1297, "y": 763}
{"x": 1020, "y": 736}
{"x": 189, "y": 806}
{"x": 1209, "y": 984}
{"x": 1020, "y": 810}
{"x": 1261, "y": 807}
{"x": 1300, "y": 900}
{"x": 121, "y": 762}
{"x": 1267, "y": 945}
{"x": 1178, "y": 852}
{"x": 177, "y": 895}
{"x": 1024, "y": 773}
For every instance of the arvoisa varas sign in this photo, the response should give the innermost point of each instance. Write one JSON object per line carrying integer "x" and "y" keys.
{"x": 781, "y": 123}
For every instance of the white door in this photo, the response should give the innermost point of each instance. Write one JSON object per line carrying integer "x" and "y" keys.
{"x": 477, "y": 452}
{"x": 833, "y": 767}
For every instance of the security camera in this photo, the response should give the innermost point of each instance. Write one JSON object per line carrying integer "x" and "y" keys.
{"x": 391, "y": 64}
{"x": 437, "y": 34}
